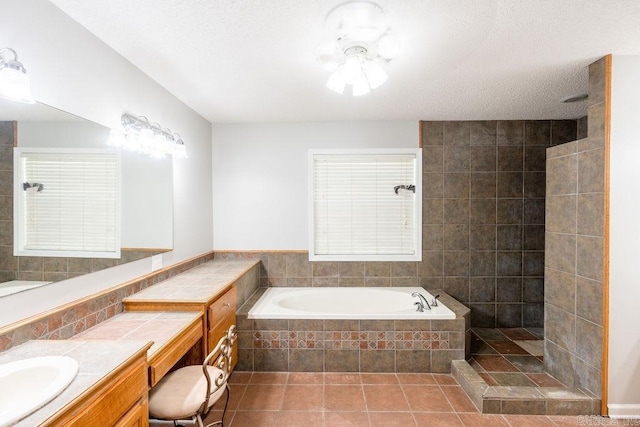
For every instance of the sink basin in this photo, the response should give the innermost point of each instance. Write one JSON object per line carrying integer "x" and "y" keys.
{"x": 27, "y": 385}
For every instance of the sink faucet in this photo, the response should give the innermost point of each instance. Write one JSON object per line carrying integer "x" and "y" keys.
{"x": 423, "y": 303}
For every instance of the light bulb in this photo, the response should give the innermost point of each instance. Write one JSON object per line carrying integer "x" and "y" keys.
{"x": 336, "y": 82}
{"x": 375, "y": 74}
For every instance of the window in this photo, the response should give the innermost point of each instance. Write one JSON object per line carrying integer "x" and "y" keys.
{"x": 67, "y": 203}
{"x": 365, "y": 205}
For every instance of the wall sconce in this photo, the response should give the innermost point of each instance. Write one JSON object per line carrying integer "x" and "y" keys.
{"x": 148, "y": 138}
{"x": 14, "y": 82}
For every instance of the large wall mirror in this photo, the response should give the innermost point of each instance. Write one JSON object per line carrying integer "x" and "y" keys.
{"x": 146, "y": 195}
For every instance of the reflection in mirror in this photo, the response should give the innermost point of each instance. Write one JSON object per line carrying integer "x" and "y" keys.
{"x": 146, "y": 195}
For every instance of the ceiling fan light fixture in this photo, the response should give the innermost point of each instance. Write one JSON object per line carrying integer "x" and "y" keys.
{"x": 360, "y": 42}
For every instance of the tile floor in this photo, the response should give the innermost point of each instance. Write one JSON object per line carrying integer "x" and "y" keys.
{"x": 510, "y": 357}
{"x": 353, "y": 399}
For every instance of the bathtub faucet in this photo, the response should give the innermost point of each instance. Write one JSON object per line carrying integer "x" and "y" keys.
{"x": 423, "y": 303}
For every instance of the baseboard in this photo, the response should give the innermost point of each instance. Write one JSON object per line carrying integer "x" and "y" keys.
{"x": 624, "y": 411}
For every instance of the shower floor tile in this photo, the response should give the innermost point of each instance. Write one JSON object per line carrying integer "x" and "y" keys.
{"x": 495, "y": 352}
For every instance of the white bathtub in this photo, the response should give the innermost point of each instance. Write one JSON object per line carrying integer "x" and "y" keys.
{"x": 345, "y": 303}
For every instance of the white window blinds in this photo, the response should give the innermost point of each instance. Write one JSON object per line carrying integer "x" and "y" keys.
{"x": 366, "y": 205}
{"x": 68, "y": 203}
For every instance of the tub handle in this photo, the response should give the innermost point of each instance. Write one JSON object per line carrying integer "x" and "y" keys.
{"x": 420, "y": 306}
{"x": 434, "y": 303}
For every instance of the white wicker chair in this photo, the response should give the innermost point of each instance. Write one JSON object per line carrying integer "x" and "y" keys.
{"x": 189, "y": 393}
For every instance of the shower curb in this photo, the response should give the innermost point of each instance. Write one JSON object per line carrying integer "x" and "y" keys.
{"x": 522, "y": 400}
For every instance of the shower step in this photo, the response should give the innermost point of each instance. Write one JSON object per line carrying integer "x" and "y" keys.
{"x": 522, "y": 400}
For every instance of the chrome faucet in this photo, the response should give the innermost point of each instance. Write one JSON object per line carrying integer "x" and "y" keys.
{"x": 423, "y": 303}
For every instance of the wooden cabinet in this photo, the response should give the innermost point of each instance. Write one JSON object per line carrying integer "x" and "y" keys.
{"x": 120, "y": 399}
{"x": 219, "y": 310}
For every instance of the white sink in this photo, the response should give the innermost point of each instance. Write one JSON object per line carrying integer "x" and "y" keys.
{"x": 27, "y": 385}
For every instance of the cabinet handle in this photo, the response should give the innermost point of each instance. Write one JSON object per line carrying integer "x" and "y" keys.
{"x": 226, "y": 304}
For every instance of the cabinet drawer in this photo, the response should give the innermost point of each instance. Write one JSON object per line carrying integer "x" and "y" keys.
{"x": 223, "y": 307}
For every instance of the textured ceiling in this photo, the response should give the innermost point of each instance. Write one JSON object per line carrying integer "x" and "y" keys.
{"x": 254, "y": 60}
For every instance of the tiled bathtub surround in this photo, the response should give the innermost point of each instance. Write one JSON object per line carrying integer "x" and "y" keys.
{"x": 574, "y": 267}
{"x": 352, "y": 345}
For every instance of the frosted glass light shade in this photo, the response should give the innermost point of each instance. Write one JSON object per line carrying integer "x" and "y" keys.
{"x": 336, "y": 82}
{"x": 361, "y": 87}
{"x": 375, "y": 74}
{"x": 351, "y": 70}
{"x": 14, "y": 83}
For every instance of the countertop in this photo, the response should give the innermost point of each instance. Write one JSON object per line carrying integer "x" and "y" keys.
{"x": 159, "y": 327}
{"x": 96, "y": 359}
{"x": 201, "y": 284}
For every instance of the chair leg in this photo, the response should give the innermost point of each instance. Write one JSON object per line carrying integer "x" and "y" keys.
{"x": 224, "y": 411}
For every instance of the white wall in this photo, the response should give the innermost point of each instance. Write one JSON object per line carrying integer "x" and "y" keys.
{"x": 624, "y": 279}
{"x": 74, "y": 71}
{"x": 260, "y": 176}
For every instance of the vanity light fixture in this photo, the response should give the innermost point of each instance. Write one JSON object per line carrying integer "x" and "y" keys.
{"x": 148, "y": 138}
{"x": 360, "y": 42}
{"x": 14, "y": 82}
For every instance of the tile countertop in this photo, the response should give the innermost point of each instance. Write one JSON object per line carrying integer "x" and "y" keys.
{"x": 96, "y": 359}
{"x": 200, "y": 284}
{"x": 159, "y": 327}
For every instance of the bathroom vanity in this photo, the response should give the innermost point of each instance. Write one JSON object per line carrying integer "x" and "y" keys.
{"x": 122, "y": 357}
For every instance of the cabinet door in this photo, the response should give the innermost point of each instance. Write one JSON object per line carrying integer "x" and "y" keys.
{"x": 138, "y": 416}
{"x": 108, "y": 404}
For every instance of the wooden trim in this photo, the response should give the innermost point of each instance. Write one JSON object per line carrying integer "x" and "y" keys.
{"x": 605, "y": 276}
{"x": 149, "y": 250}
{"x": 261, "y": 251}
{"x": 72, "y": 304}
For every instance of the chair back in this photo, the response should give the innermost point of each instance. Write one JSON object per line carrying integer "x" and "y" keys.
{"x": 220, "y": 357}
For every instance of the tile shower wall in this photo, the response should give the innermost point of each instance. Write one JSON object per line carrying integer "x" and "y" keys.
{"x": 483, "y": 215}
{"x": 50, "y": 269}
{"x": 575, "y": 249}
